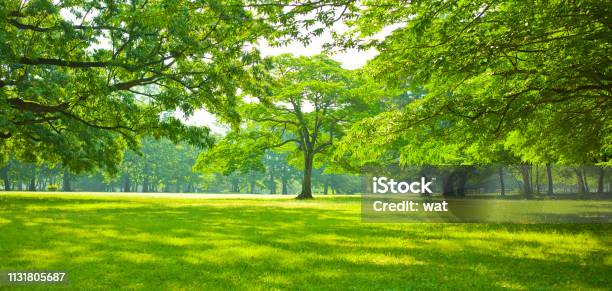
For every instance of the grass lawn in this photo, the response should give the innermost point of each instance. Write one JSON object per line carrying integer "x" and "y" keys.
{"x": 165, "y": 243}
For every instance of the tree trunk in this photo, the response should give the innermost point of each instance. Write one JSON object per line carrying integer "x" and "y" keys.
{"x": 454, "y": 184}
{"x": 127, "y": 185}
{"x": 537, "y": 179}
{"x": 284, "y": 183}
{"x": 531, "y": 178}
{"x": 365, "y": 185}
{"x": 5, "y": 178}
{"x": 501, "y": 181}
{"x": 579, "y": 181}
{"x": 462, "y": 182}
{"x": 66, "y": 181}
{"x": 326, "y": 186}
{"x": 448, "y": 186}
{"x": 550, "y": 190}
{"x": 306, "y": 180}
{"x": 586, "y": 184}
{"x": 272, "y": 183}
{"x": 252, "y": 187}
{"x": 235, "y": 187}
{"x": 526, "y": 181}
{"x": 145, "y": 185}
{"x": 32, "y": 186}
{"x": 600, "y": 180}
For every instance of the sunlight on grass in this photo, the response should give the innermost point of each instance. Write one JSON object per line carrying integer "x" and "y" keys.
{"x": 160, "y": 243}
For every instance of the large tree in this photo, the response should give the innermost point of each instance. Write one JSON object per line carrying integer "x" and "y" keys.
{"x": 81, "y": 79}
{"x": 532, "y": 77}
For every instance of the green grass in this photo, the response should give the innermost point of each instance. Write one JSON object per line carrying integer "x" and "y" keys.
{"x": 158, "y": 243}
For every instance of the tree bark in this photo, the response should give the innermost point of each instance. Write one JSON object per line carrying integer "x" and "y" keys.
{"x": 550, "y": 190}
{"x": 501, "y": 181}
{"x": 66, "y": 187}
{"x": 526, "y": 181}
{"x": 306, "y": 180}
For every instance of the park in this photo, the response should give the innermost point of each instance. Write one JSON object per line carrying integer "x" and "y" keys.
{"x": 311, "y": 145}
{"x": 165, "y": 243}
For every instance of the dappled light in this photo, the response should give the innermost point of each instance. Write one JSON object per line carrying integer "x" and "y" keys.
{"x": 305, "y": 145}
{"x": 241, "y": 244}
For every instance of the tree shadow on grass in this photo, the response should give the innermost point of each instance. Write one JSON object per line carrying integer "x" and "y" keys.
{"x": 139, "y": 245}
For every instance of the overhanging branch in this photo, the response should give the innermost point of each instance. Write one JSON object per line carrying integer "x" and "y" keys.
{"x": 18, "y": 103}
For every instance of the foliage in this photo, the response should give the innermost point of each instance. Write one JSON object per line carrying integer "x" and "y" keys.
{"x": 530, "y": 77}
{"x": 311, "y": 103}
{"x": 82, "y": 79}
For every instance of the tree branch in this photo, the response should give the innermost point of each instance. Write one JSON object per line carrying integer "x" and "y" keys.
{"x": 18, "y": 103}
{"x": 322, "y": 146}
{"x": 275, "y": 120}
{"x": 64, "y": 63}
{"x": 34, "y": 121}
{"x": 281, "y": 144}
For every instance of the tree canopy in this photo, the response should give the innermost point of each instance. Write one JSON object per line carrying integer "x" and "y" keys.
{"x": 311, "y": 103}
{"x": 81, "y": 79}
{"x": 455, "y": 83}
{"x": 530, "y": 77}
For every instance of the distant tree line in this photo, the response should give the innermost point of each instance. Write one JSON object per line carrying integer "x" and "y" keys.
{"x": 459, "y": 181}
{"x": 162, "y": 166}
